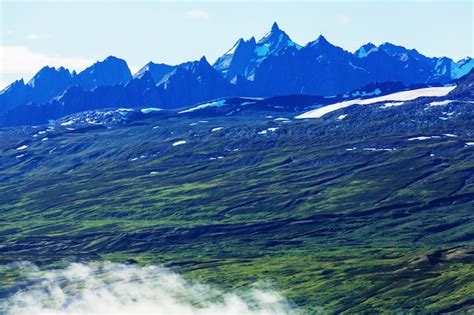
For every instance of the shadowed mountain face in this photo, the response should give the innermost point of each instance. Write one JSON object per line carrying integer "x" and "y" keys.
{"x": 273, "y": 65}
{"x": 110, "y": 71}
{"x": 243, "y": 59}
{"x": 193, "y": 81}
{"x": 157, "y": 70}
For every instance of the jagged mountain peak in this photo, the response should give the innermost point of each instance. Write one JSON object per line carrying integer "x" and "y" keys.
{"x": 195, "y": 66}
{"x": 157, "y": 71}
{"x": 15, "y": 85}
{"x": 464, "y": 60}
{"x": 110, "y": 61}
{"x": 139, "y": 85}
{"x": 236, "y": 59}
{"x": 110, "y": 71}
{"x": 203, "y": 61}
{"x": 320, "y": 41}
{"x": 276, "y": 40}
{"x": 239, "y": 45}
{"x": 397, "y": 50}
{"x": 47, "y": 74}
{"x": 365, "y": 50}
{"x": 275, "y": 27}
{"x": 275, "y": 31}
{"x": 112, "y": 58}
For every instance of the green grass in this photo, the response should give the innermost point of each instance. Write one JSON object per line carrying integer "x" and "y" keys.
{"x": 333, "y": 230}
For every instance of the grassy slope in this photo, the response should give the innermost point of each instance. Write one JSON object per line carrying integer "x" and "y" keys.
{"x": 335, "y": 230}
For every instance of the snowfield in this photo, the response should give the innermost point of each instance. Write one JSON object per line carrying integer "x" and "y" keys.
{"x": 205, "y": 105}
{"x": 396, "y": 97}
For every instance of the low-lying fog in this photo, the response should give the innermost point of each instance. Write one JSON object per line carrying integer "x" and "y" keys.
{"x": 111, "y": 288}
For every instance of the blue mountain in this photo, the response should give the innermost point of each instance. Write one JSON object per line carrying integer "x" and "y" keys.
{"x": 14, "y": 95}
{"x": 157, "y": 71}
{"x": 245, "y": 56}
{"x": 49, "y": 82}
{"x": 193, "y": 82}
{"x": 274, "y": 65}
{"x": 110, "y": 71}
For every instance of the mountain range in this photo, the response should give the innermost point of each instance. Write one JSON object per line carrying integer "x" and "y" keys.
{"x": 274, "y": 65}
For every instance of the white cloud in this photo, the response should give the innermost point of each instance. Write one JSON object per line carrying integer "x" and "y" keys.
{"x": 343, "y": 19}
{"x": 197, "y": 15}
{"x": 3, "y": 84}
{"x": 108, "y": 288}
{"x": 35, "y": 36}
{"x": 20, "y": 60}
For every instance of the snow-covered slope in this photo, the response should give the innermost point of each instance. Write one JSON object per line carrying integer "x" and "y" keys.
{"x": 396, "y": 97}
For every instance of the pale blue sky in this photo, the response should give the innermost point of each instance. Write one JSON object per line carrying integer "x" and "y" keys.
{"x": 75, "y": 33}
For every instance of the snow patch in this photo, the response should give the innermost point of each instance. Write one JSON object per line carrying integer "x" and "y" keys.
{"x": 150, "y": 110}
{"x": 264, "y": 132}
{"x": 247, "y": 103}
{"x": 179, "y": 143}
{"x": 392, "y": 104}
{"x": 67, "y": 123}
{"x": 262, "y": 50}
{"x": 441, "y": 103}
{"x": 399, "y": 96}
{"x": 423, "y": 138}
{"x": 205, "y": 105}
